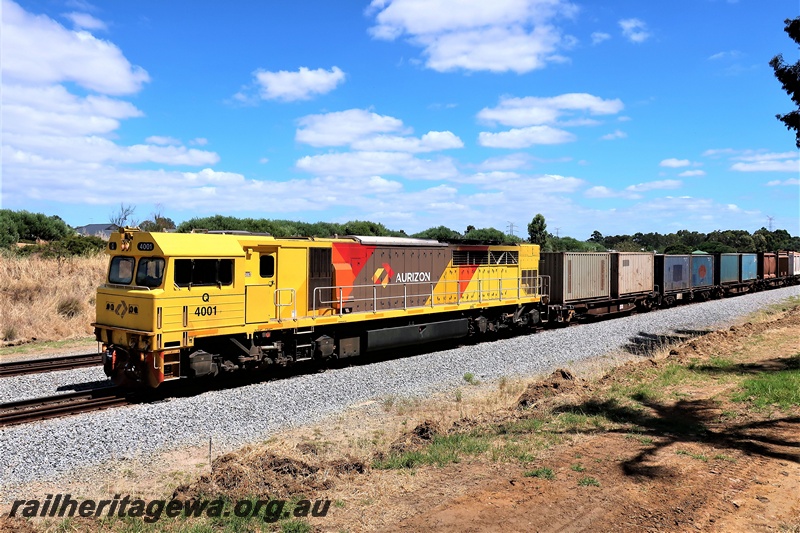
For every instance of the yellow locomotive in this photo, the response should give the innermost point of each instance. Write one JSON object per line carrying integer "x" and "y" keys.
{"x": 191, "y": 305}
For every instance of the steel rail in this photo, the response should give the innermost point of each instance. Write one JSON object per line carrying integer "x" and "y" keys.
{"x": 49, "y": 364}
{"x": 24, "y": 411}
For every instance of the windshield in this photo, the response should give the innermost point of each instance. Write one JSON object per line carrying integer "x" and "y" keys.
{"x": 121, "y": 270}
{"x": 151, "y": 271}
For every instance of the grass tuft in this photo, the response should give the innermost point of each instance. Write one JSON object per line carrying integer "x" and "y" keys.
{"x": 470, "y": 378}
{"x": 542, "y": 473}
{"x": 781, "y": 388}
{"x": 588, "y": 482}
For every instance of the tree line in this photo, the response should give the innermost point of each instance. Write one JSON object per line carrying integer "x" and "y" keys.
{"x": 60, "y": 239}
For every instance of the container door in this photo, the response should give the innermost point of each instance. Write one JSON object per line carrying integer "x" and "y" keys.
{"x": 260, "y": 304}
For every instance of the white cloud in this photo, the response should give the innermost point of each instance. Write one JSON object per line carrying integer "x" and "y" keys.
{"x": 303, "y": 84}
{"x": 360, "y": 164}
{"x": 616, "y": 134}
{"x": 342, "y": 128}
{"x": 675, "y": 163}
{"x": 767, "y": 162}
{"x": 524, "y": 137}
{"x": 199, "y": 141}
{"x": 691, "y": 173}
{"x": 727, "y": 54}
{"x": 60, "y": 146}
{"x": 634, "y": 30}
{"x": 264, "y": 160}
{"x": 52, "y": 110}
{"x": 654, "y": 185}
{"x": 85, "y": 21}
{"x": 790, "y": 181}
{"x": 507, "y": 162}
{"x": 532, "y": 111}
{"x": 430, "y": 142}
{"x": 506, "y": 35}
{"x": 69, "y": 56}
{"x": 367, "y": 131}
{"x": 162, "y": 140}
{"x": 600, "y": 191}
{"x": 599, "y": 37}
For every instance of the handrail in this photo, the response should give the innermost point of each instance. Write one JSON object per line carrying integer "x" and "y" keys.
{"x": 276, "y": 296}
{"x": 489, "y": 289}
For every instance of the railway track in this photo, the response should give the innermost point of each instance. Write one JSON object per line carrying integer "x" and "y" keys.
{"x": 49, "y": 364}
{"x": 24, "y": 411}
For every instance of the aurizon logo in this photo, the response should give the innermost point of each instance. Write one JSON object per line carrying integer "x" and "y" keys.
{"x": 383, "y": 275}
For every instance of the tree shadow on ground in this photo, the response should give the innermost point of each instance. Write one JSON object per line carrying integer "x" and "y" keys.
{"x": 695, "y": 421}
{"x": 646, "y": 344}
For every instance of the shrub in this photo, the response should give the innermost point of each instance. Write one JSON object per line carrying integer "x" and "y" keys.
{"x": 70, "y": 307}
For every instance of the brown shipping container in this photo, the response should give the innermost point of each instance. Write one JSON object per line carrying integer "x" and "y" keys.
{"x": 577, "y": 276}
{"x": 631, "y": 273}
{"x": 767, "y": 265}
{"x": 783, "y": 264}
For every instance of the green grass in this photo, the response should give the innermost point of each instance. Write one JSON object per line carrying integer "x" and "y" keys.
{"x": 35, "y": 346}
{"x": 520, "y": 427}
{"x": 470, "y": 378}
{"x": 542, "y": 473}
{"x": 588, "y": 482}
{"x": 513, "y": 451}
{"x": 441, "y": 451}
{"x": 781, "y": 388}
{"x": 577, "y": 467}
{"x": 698, "y": 456}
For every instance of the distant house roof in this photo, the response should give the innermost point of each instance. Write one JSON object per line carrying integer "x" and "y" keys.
{"x": 103, "y": 231}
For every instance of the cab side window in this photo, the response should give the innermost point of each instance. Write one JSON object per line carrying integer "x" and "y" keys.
{"x": 199, "y": 272}
{"x": 267, "y": 266}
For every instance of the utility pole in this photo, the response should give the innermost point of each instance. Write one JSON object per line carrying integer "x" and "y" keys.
{"x": 510, "y": 228}
{"x": 769, "y": 220}
{"x": 557, "y": 232}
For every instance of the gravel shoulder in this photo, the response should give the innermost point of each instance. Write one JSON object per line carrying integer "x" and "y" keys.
{"x": 98, "y": 443}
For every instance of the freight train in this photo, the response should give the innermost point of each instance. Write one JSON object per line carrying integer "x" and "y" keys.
{"x": 178, "y": 306}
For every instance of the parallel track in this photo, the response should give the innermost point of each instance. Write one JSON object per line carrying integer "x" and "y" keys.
{"x": 49, "y": 364}
{"x": 24, "y": 411}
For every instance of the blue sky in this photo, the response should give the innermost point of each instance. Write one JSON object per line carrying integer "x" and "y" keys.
{"x": 617, "y": 116}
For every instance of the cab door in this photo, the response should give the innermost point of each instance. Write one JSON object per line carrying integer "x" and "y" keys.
{"x": 260, "y": 303}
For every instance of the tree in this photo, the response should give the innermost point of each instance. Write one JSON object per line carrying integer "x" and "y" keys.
{"x": 537, "y": 230}
{"x": 123, "y": 215}
{"x": 789, "y": 76}
{"x": 441, "y": 233}
{"x": 596, "y": 237}
{"x": 157, "y": 222}
{"x": 487, "y": 235}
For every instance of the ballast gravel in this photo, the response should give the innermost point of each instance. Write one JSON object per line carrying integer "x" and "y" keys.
{"x": 233, "y": 417}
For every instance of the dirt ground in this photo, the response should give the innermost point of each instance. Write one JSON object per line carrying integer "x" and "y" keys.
{"x": 695, "y": 462}
{"x": 662, "y": 442}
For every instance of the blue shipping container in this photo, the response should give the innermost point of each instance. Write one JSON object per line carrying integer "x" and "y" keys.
{"x": 673, "y": 273}
{"x": 749, "y": 267}
{"x": 702, "y": 271}
{"x": 727, "y": 266}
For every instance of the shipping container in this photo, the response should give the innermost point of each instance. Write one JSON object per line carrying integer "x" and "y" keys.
{"x": 783, "y": 264}
{"x": 702, "y": 270}
{"x": 631, "y": 273}
{"x": 749, "y": 267}
{"x": 794, "y": 263}
{"x": 577, "y": 276}
{"x": 726, "y": 269}
{"x": 673, "y": 273}
{"x": 767, "y": 265}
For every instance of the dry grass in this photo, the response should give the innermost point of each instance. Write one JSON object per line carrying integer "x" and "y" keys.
{"x": 48, "y": 299}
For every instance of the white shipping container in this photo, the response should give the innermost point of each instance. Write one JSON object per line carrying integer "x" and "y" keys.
{"x": 631, "y": 273}
{"x": 577, "y": 276}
